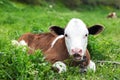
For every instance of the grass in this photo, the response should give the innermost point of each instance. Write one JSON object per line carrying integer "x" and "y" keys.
{"x": 17, "y": 19}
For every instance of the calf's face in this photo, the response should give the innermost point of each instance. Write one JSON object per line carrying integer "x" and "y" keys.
{"x": 76, "y": 36}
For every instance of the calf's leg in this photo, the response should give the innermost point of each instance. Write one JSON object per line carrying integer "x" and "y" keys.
{"x": 91, "y": 66}
{"x": 60, "y": 66}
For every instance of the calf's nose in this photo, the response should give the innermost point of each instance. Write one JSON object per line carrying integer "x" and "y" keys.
{"x": 76, "y": 51}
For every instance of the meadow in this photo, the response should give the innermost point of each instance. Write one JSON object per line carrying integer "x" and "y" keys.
{"x": 17, "y": 19}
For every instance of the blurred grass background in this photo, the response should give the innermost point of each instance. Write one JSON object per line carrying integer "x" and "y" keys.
{"x": 20, "y": 16}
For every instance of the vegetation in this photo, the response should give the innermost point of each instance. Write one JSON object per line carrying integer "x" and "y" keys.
{"x": 74, "y": 3}
{"x": 17, "y": 19}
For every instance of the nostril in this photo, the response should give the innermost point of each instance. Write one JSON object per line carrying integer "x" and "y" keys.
{"x": 80, "y": 51}
{"x": 73, "y": 50}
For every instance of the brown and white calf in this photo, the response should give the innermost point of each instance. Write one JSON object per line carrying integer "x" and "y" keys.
{"x": 62, "y": 44}
{"x": 112, "y": 15}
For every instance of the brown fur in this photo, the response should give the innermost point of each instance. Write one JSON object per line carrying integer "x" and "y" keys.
{"x": 43, "y": 42}
{"x": 38, "y": 41}
{"x": 58, "y": 52}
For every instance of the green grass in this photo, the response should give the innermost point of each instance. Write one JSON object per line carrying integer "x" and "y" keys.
{"x": 17, "y": 19}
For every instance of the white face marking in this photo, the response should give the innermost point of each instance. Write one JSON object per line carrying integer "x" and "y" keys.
{"x": 60, "y": 66}
{"x": 76, "y": 37}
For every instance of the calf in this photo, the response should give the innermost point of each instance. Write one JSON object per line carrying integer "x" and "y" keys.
{"x": 62, "y": 44}
{"x": 112, "y": 15}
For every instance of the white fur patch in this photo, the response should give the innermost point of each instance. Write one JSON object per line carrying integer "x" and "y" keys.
{"x": 92, "y": 66}
{"x": 60, "y": 66}
{"x": 55, "y": 40}
{"x": 15, "y": 42}
{"x": 22, "y": 44}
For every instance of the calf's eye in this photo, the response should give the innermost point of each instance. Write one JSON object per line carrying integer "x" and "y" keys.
{"x": 86, "y": 35}
{"x": 66, "y": 35}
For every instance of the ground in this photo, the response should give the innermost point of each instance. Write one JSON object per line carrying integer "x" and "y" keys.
{"x": 17, "y": 19}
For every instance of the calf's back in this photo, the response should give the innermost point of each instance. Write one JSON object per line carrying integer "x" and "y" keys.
{"x": 38, "y": 41}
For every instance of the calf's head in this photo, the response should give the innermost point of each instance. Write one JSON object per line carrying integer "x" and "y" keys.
{"x": 76, "y": 36}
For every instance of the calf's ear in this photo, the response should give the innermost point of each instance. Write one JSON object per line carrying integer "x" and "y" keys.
{"x": 95, "y": 29}
{"x": 57, "y": 30}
